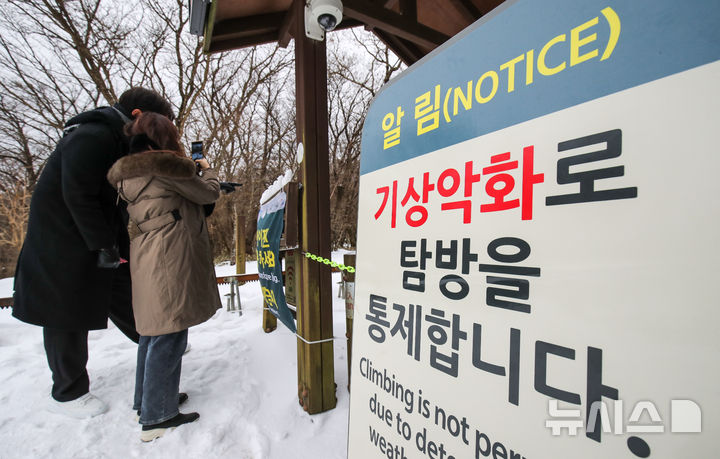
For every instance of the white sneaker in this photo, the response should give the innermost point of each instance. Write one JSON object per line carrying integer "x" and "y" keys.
{"x": 83, "y": 407}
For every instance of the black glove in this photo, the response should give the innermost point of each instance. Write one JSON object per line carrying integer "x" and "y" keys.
{"x": 109, "y": 258}
{"x": 228, "y": 187}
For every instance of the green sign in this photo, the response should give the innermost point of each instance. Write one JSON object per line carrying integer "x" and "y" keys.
{"x": 269, "y": 230}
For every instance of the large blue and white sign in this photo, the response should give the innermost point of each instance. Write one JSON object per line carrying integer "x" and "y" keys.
{"x": 537, "y": 240}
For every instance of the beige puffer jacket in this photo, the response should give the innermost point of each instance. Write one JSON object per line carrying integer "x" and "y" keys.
{"x": 173, "y": 277}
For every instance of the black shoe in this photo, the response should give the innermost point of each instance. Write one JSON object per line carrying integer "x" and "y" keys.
{"x": 182, "y": 398}
{"x": 152, "y": 431}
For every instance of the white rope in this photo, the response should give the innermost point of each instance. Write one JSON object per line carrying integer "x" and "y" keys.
{"x": 315, "y": 342}
{"x": 312, "y": 342}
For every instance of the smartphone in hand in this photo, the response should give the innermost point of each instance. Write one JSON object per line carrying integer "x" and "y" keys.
{"x": 196, "y": 150}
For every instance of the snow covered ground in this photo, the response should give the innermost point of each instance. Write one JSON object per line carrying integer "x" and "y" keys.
{"x": 242, "y": 381}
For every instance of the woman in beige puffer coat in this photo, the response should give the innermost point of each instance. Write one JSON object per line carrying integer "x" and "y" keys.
{"x": 173, "y": 277}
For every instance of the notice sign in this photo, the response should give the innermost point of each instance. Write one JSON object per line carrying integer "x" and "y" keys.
{"x": 269, "y": 231}
{"x": 538, "y": 245}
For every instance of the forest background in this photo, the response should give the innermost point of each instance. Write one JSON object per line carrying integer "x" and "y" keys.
{"x": 59, "y": 58}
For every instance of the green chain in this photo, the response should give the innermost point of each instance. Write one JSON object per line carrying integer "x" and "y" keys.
{"x": 334, "y": 264}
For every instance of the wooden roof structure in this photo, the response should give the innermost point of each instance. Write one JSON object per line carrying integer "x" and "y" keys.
{"x": 410, "y": 28}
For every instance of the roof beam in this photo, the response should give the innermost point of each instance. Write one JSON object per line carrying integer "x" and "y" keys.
{"x": 467, "y": 9}
{"x": 226, "y": 44}
{"x": 285, "y": 33}
{"x": 209, "y": 26}
{"x": 248, "y": 26}
{"x": 393, "y": 23}
{"x": 408, "y": 8}
{"x": 406, "y": 51}
{"x": 236, "y": 33}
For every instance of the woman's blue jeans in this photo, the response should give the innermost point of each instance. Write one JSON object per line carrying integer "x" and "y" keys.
{"x": 157, "y": 378}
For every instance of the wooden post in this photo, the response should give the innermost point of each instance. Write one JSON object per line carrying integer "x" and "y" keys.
{"x": 239, "y": 243}
{"x": 316, "y": 379}
{"x": 269, "y": 321}
{"x": 349, "y": 279}
{"x": 240, "y": 255}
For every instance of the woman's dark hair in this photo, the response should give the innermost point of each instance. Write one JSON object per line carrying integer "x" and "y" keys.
{"x": 154, "y": 132}
{"x": 146, "y": 100}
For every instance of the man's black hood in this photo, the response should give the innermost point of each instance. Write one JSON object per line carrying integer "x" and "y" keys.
{"x": 111, "y": 116}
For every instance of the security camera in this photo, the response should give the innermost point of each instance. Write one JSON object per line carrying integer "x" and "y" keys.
{"x": 322, "y": 16}
{"x": 327, "y": 12}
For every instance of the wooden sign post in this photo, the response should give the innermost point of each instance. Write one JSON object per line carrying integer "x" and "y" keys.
{"x": 316, "y": 385}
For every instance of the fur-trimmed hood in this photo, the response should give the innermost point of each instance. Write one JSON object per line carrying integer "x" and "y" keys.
{"x": 151, "y": 164}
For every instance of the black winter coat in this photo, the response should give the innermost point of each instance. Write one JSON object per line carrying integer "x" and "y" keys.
{"x": 74, "y": 213}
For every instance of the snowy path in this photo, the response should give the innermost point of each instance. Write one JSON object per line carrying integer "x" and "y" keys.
{"x": 242, "y": 381}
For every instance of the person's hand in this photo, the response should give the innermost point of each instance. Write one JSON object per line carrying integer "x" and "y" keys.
{"x": 228, "y": 187}
{"x": 202, "y": 163}
{"x": 109, "y": 258}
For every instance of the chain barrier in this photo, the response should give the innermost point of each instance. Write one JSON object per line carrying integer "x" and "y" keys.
{"x": 333, "y": 264}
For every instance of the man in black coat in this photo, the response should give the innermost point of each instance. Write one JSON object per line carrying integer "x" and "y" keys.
{"x": 69, "y": 276}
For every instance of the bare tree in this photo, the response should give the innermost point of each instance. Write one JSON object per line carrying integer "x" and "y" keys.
{"x": 14, "y": 207}
{"x": 59, "y": 58}
{"x": 164, "y": 56}
{"x": 250, "y": 132}
{"x": 358, "y": 66}
{"x": 21, "y": 152}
